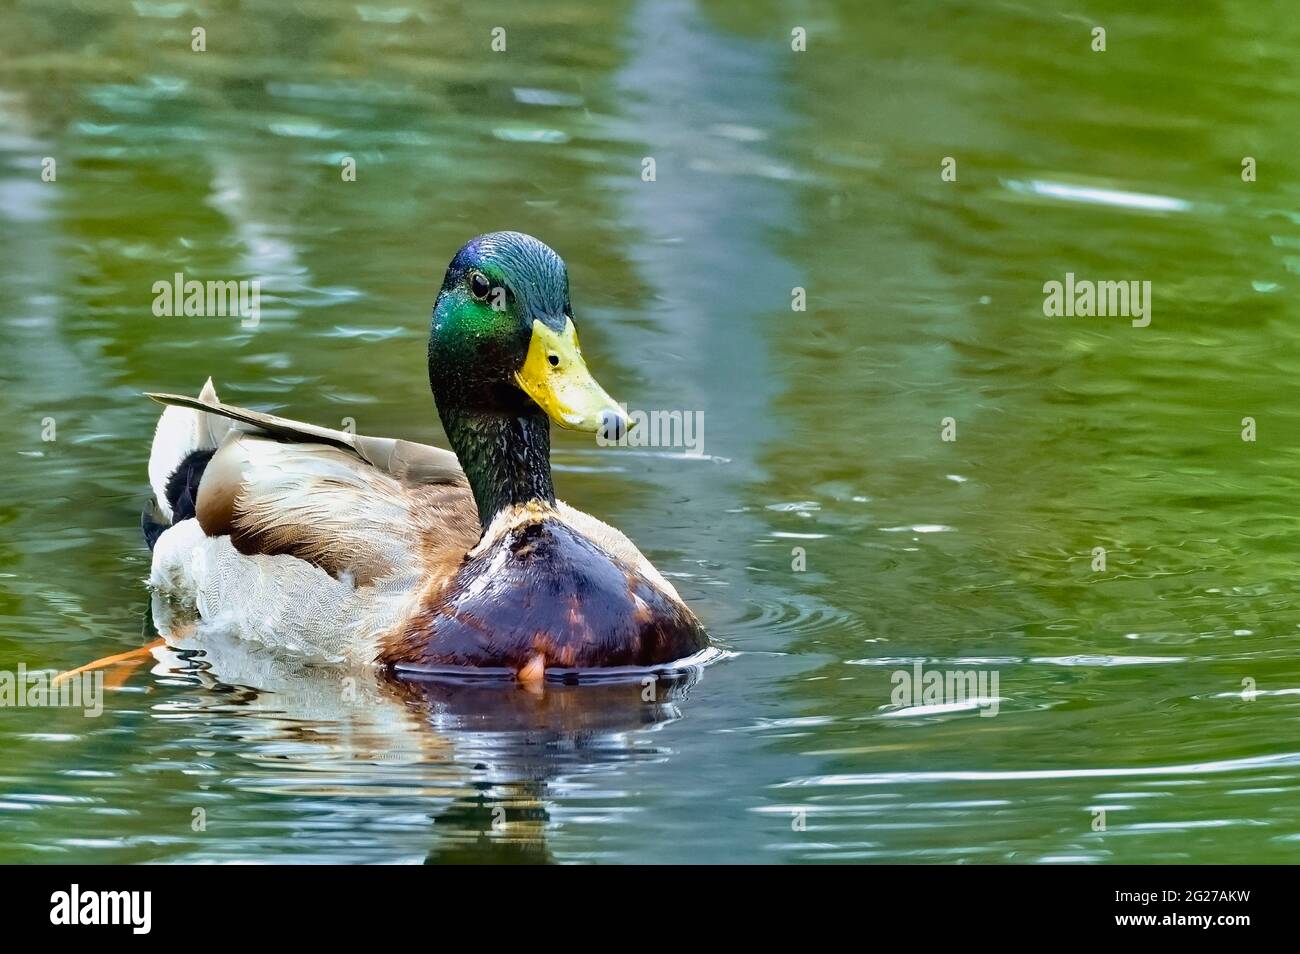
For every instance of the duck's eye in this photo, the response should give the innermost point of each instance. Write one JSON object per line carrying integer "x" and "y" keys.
{"x": 554, "y": 359}
{"x": 479, "y": 286}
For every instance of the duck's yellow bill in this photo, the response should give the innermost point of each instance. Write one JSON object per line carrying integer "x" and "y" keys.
{"x": 555, "y": 376}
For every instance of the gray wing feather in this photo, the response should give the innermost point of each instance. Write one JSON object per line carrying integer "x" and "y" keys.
{"x": 408, "y": 461}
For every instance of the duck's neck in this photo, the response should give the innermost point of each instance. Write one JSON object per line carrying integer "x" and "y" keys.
{"x": 506, "y": 457}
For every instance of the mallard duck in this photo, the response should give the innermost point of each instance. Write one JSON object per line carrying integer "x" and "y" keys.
{"x": 349, "y": 548}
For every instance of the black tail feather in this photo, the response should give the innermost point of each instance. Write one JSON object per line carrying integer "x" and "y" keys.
{"x": 151, "y": 523}
{"x": 182, "y": 492}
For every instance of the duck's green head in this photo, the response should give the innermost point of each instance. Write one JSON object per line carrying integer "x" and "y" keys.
{"x": 503, "y": 339}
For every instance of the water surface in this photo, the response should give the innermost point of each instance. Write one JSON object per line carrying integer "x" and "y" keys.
{"x": 1125, "y": 689}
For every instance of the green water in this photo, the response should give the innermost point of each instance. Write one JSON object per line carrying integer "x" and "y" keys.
{"x": 1126, "y": 688}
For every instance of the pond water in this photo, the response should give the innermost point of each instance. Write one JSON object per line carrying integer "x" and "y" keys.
{"x": 1147, "y": 694}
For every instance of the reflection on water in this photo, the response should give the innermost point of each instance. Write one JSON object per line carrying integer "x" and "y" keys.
{"x": 482, "y": 760}
{"x": 827, "y": 533}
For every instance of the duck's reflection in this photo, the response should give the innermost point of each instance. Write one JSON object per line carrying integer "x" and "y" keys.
{"x": 484, "y": 760}
{"x": 520, "y": 740}
{"x": 502, "y": 824}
